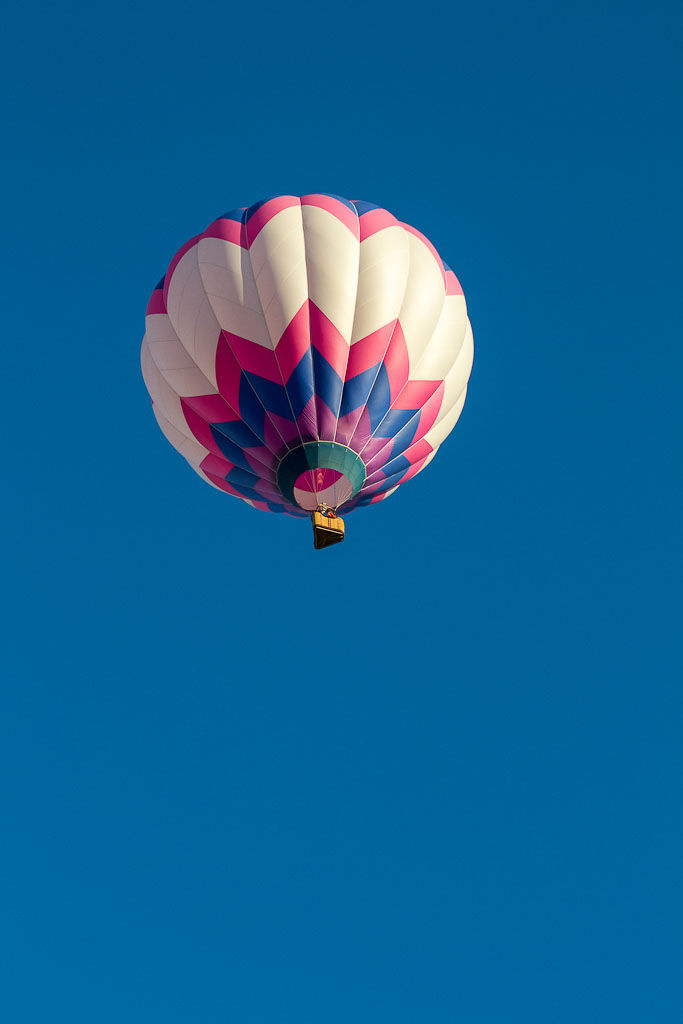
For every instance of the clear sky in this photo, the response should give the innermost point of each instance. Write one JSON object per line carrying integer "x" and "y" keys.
{"x": 434, "y": 773}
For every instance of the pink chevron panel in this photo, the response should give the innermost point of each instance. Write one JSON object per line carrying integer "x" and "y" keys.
{"x": 156, "y": 302}
{"x": 229, "y": 230}
{"x": 375, "y": 220}
{"x": 227, "y": 372}
{"x": 254, "y": 358}
{"x": 396, "y": 362}
{"x": 294, "y": 343}
{"x": 200, "y": 428}
{"x": 453, "y": 286}
{"x": 368, "y": 351}
{"x": 174, "y": 263}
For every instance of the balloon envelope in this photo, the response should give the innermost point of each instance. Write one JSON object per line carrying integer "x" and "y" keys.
{"x": 307, "y": 350}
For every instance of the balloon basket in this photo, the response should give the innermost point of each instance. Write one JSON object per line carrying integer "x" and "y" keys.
{"x": 327, "y": 529}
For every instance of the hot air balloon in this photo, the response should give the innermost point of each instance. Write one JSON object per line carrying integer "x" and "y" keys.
{"x": 308, "y": 355}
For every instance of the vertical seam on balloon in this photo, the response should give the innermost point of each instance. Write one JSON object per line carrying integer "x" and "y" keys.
{"x": 348, "y": 354}
{"x": 273, "y": 345}
{"x": 310, "y": 342}
{"x": 225, "y": 333}
{"x": 411, "y": 372}
{"x": 397, "y": 321}
{"x": 268, "y": 469}
{"x": 371, "y": 388}
{"x": 379, "y": 368}
{"x": 184, "y": 428}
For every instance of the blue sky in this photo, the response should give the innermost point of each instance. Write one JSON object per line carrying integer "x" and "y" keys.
{"x": 426, "y": 775}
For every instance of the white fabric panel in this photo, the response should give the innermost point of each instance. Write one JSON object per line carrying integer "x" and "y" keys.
{"x": 164, "y": 344}
{"x": 423, "y": 301}
{"x": 189, "y": 448}
{"x": 230, "y": 287}
{"x": 150, "y": 371}
{"x": 193, "y": 452}
{"x": 227, "y": 272}
{"x": 158, "y": 327}
{"x": 206, "y": 338}
{"x": 335, "y": 495}
{"x": 383, "y": 274}
{"x": 447, "y": 340}
{"x": 161, "y": 393}
{"x": 188, "y": 383}
{"x": 183, "y": 320}
{"x": 332, "y": 263}
{"x": 191, "y": 315}
{"x": 170, "y": 355}
{"x": 458, "y": 376}
{"x": 164, "y": 385}
{"x": 246, "y": 323}
{"x": 278, "y": 259}
{"x": 180, "y": 371}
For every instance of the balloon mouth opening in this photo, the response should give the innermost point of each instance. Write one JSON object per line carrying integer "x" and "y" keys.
{"x": 320, "y": 472}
